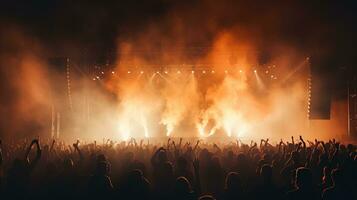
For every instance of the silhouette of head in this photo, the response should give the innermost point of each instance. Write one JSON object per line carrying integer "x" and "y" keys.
{"x": 135, "y": 176}
{"x": 303, "y": 178}
{"x": 167, "y": 169}
{"x": 102, "y": 168}
{"x": 207, "y": 197}
{"x": 162, "y": 157}
{"x": 182, "y": 163}
{"x": 267, "y": 157}
{"x": 215, "y": 162}
{"x": 233, "y": 181}
{"x": 266, "y": 173}
{"x": 230, "y": 154}
{"x": 241, "y": 158}
{"x": 128, "y": 156}
{"x": 182, "y": 185}
{"x": 101, "y": 158}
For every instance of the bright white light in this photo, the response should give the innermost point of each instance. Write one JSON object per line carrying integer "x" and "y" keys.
{"x": 166, "y": 72}
{"x": 202, "y": 132}
{"x": 240, "y": 71}
{"x": 141, "y": 72}
{"x": 102, "y": 72}
{"x": 192, "y": 72}
{"x": 129, "y": 72}
{"x": 157, "y": 72}
{"x": 113, "y": 72}
{"x": 124, "y": 131}
{"x": 255, "y": 71}
{"x": 203, "y": 71}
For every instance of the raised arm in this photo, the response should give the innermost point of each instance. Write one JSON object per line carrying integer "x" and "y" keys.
{"x": 280, "y": 145}
{"x": 33, "y": 163}
{"x": 251, "y": 148}
{"x": 261, "y": 144}
{"x": 76, "y": 148}
{"x": 154, "y": 157}
{"x": 196, "y": 146}
{"x": 217, "y": 148}
{"x": 52, "y": 145}
{"x": 334, "y": 159}
{"x": 325, "y": 148}
{"x": 292, "y": 140}
{"x": 168, "y": 144}
{"x": 303, "y": 142}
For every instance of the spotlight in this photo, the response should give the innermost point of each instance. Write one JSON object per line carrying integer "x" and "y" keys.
{"x": 113, "y": 72}
{"x": 93, "y": 79}
{"x": 166, "y": 72}
{"x": 157, "y": 72}
{"x": 240, "y": 71}
{"x": 226, "y": 71}
{"x": 267, "y": 72}
{"x": 98, "y": 77}
{"x": 212, "y": 71}
{"x": 102, "y": 72}
{"x": 179, "y": 72}
{"x": 203, "y": 72}
{"x": 271, "y": 76}
{"x": 141, "y": 72}
{"x": 129, "y": 72}
{"x": 255, "y": 71}
{"x": 192, "y": 72}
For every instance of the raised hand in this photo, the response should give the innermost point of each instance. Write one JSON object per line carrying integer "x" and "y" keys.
{"x": 267, "y": 142}
{"x": 75, "y": 145}
{"x": 38, "y": 152}
{"x": 302, "y": 141}
{"x": 34, "y": 141}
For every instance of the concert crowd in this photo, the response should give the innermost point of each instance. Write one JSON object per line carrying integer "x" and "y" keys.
{"x": 178, "y": 170}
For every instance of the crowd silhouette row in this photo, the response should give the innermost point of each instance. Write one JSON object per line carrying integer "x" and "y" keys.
{"x": 178, "y": 170}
